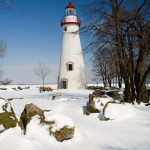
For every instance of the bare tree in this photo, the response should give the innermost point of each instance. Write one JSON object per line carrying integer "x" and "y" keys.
{"x": 123, "y": 26}
{"x": 2, "y": 53}
{"x": 42, "y": 71}
{"x": 2, "y": 49}
{"x": 4, "y": 4}
{"x": 103, "y": 66}
{"x": 6, "y": 82}
{"x": 96, "y": 79}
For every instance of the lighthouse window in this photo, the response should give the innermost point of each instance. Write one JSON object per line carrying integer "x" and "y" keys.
{"x": 70, "y": 12}
{"x": 65, "y": 28}
{"x": 70, "y": 67}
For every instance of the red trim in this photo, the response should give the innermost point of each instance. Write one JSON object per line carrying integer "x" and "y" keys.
{"x": 63, "y": 22}
{"x": 70, "y": 6}
{"x": 71, "y": 23}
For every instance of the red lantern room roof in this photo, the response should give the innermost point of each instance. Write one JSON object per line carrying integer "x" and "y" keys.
{"x": 70, "y": 6}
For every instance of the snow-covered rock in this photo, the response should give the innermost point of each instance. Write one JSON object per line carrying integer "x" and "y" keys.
{"x": 118, "y": 111}
{"x": 130, "y": 133}
{"x": 63, "y": 127}
{"x": 91, "y": 108}
{"x": 115, "y": 95}
{"x": 60, "y": 126}
{"x": 98, "y": 93}
{"x": 29, "y": 111}
{"x": 7, "y": 116}
{"x": 96, "y": 104}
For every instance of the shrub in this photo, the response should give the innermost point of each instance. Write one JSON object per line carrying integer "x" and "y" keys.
{"x": 45, "y": 88}
{"x": 6, "y": 82}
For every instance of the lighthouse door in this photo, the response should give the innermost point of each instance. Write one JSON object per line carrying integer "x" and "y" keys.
{"x": 64, "y": 84}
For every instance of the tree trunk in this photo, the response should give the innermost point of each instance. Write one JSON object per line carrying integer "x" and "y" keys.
{"x": 142, "y": 95}
{"x": 119, "y": 81}
{"x": 109, "y": 81}
{"x": 43, "y": 82}
{"x": 104, "y": 82}
{"x": 127, "y": 92}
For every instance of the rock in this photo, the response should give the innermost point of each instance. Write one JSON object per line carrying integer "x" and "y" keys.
{"x": 10, "y": 99}
{"x": 91, "y": 105}
{"x": 64, "y": 133}
{"x": 98, "y": 93}
{"x": 56, "y": 96}
{"x": 91, "y": 108}
{"x": 104, "y": 109}
{"x": 7, "y": 116}
{"x": 26, "y": 88}
{"x": 95, "y": 88}
{"x": 104, "y": 96}
{"x": 102, "y": 104}
{"x": 115, "y": 95}
{"x": 3, "y": 89}
{"x": 45, "y": 88}
{"x": 62, "y": 128}
{"x": 29, "y": 111}
{"x": 104, "y": 118}
{"x": 90, "y": 98}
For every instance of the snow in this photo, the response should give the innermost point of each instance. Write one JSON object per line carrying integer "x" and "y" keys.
{"x": 1, "y": 127}
{"x": 126, "y": 111}
{"x": 12, "y": 117}
{"x": 59, "y": 119}
{"x": 129, "y": 128}
{"x": 2, "y": 103}
{"x": 100, "y": 102}
{"x": 8, "y": 107}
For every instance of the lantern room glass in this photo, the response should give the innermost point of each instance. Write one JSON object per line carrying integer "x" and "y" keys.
{"x": 70, "y": 11}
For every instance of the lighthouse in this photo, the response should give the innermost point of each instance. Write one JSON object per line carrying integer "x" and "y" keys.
{"x": 71, "y": 71}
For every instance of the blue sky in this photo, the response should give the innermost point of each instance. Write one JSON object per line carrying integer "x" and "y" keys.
{"x": 32, "y": 32}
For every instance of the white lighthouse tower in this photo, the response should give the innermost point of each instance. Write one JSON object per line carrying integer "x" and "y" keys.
{"x": 71, "y": 72}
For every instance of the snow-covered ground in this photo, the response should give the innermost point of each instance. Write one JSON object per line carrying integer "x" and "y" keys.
{"x": 129, "y": 128}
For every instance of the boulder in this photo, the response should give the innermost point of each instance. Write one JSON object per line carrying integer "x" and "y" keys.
{"x": 115, "y": 95}
{"x": 7, "y": 116}
{"x": 98, "y": 93}
{"x": 95, "y": 88}
{"x": 91, "y": 104}
{"x": 104, "y": 118}
{"x": 64, "y": 133}
{"x": 10, "y": 99}
{"x": 45, "y": 88}
{"x": 91, "y": 108}
{"x": 61, "y": 127}
{"x": 29, "y": 111}
{"x": 119, "y": 111}
{"x": 46, "y": 118}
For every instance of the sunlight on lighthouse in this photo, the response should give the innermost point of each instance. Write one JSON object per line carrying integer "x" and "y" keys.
{"x": 71, "y": 72}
